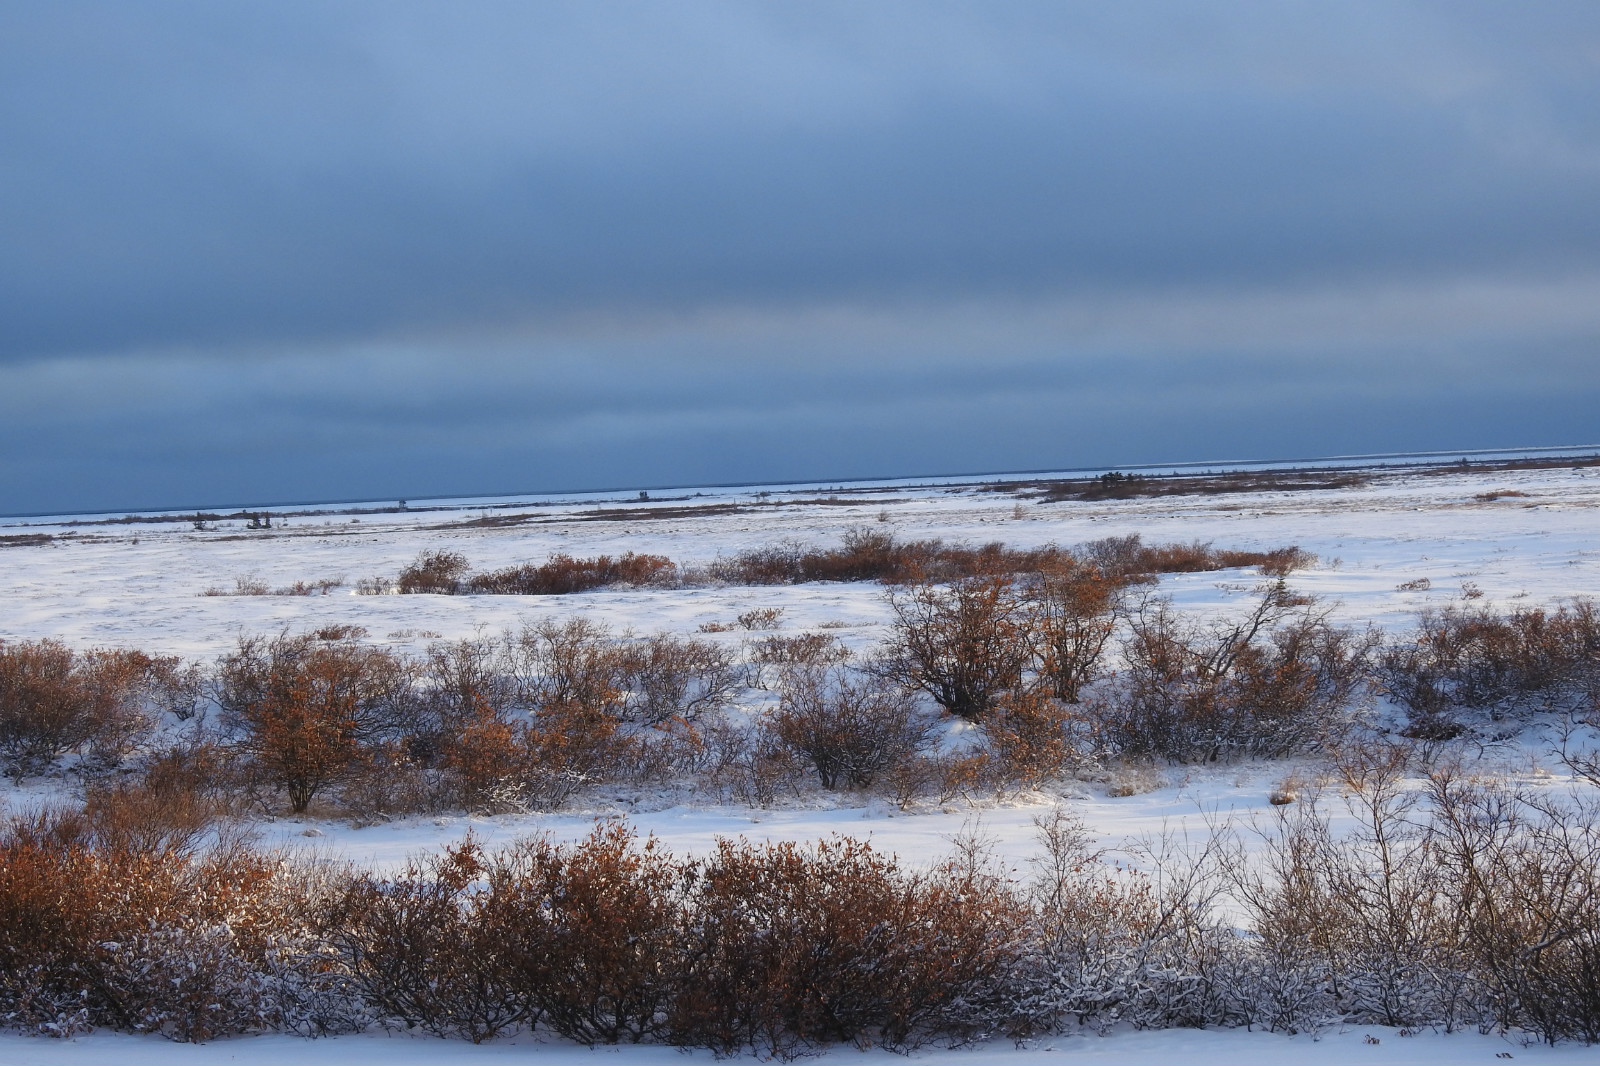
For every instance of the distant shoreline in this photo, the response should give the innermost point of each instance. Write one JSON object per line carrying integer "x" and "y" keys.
{"x": 1511, "y": 458}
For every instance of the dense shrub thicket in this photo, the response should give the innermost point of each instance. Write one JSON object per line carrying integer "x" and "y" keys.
{"x": 1460, "y": 904}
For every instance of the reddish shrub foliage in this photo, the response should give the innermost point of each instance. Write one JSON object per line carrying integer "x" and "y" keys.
{"x": 1463, "y": 904}
{"x": 962, "y": 644}
{"x": 800, "y": 947}
{"x": 1279, "y": 680}
{"x": 54, "y": 700}
{"x": 562, "y": 575}
{"x": 864, "y": 555}
{"x": 1480, "y": 658}
{"x": 307, "y": 708}
{"x": 850, "y": 727}
{"x": 434, "y": 571}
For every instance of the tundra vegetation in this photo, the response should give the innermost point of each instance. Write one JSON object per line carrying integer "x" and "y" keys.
{"x": 1456, "y": 901}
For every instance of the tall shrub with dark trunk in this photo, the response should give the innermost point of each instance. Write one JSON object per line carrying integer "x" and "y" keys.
{"x": 306, "y": 707}
{"x": 850, "y": 726}
{"x": 1075, "y": 614}
{"x": 963, "y": 644}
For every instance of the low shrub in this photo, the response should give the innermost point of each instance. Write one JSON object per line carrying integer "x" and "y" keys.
{"x": 538, "y": 763}
{"x": 433, "y": 572}
{"x": 574, "y": 661}
{"x": 1521, "y": 870}
{"x": 1476, "y": 657}
{"x": 306, "y": 708}
{"x": 457, "y": 682}
{"x": 799, "y": 947}
{"x": 102, "y": 924}
{"x": 1031, "y": 739}
{"x": 1463, "y": 904}
{"x": 563, "y": 575}
{"x": 54, "y": 700}
{"x": 1129, "y": 557}
{"x": 666, "y": 677}
{"x": 752, "y": 765}
{"x": 596, "y": 935}
{"x": 389, "y": 780}
{"x": 779, "y": 655}
{"x": 961, "y": 644}
{"x": 875, "y": 555}
{"x": 1075, "y": 609}
{"x": 1280, "y": 680}
{"x": 1111, "y": 945}
{"x": 424, "y": 951}
{"x": 849, "y": 726}
{"x": 864, "y": 555}
{"x": 760, "y": 618}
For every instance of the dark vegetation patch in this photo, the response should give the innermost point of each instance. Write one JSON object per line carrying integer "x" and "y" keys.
{"x": 492, "y": 521}
{"x": 655, "y": 514}
{"x": 562, "y": 574}
{"x": 840, "y": 501}
{"x": 25, "y": 540}
{"x": 870, "y": 555}
{"x": 1579, "y": 462}
{"x": 1120, "y": 486}
{"x": 1501, "y": 664}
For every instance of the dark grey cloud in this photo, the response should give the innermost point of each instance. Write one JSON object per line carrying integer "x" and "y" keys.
{"x": 496, "y": 245}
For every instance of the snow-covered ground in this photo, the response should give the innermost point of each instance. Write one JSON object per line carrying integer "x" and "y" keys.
{"x": 142, "y": 583}
{"x": 1354, "y": 1046}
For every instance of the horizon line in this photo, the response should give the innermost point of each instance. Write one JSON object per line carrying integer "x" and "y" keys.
{"x": 973, "y": 475}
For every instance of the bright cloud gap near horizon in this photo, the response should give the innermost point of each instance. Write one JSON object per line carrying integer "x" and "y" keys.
{"x": 409, "y": 250}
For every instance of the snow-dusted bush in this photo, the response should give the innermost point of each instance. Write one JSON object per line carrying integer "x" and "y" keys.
{"x": 1476, "y": 657}
{"x": 437, "y": 571}
{"x": 767, "y": 659}
{"x": 1464, "y": 904}
{"x": 54, "y": 700}
{"x": 798, "y": 947}
{"x": 850, "y": 726}
{"x": 536, "y": 762}
{"x": 1359, "y": 926}
{"x": 1110, "y": 945}
{"x": 596, "y": 935}
{"x": 423, "y": 951}
{"x": 1522, "y": 870}
{"x": 1033, "y": 737}
{"x": 305, "y": 708}
{"x": 1128, "y": 558}
{"x": 1280, "y": 680}
{"x": 962, "y": 644}
{"x": 146, "y": 931}
{"x": 673, "y": 677}
{"x": 750, "y": 764}
{"x": 572, "y": 661}
{"x": 1075, "y": 613}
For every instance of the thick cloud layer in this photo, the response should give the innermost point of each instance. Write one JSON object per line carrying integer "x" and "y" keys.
{"x": 313, "y": 250}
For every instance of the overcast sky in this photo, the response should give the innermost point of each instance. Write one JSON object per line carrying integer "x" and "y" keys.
{"x": 293, "y": 251}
